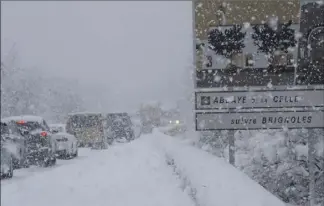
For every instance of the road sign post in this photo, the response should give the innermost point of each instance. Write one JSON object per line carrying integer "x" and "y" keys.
{"x": 311, "y": 166}
{"x": 231, "y": 146}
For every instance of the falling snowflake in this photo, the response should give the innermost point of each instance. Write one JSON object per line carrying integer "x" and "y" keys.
{"x": 199, "y": 5}
{"x": 300, "y": 98}
{"x": 202, "y": 124}
{"x": 246, "y": 25}
{"x": 298, "y": 35}
{"x": 217, "y": 78}
{"x": 273, "y": 23}
{"x": 230, "y": 98}
{"x": 291, "y": 49}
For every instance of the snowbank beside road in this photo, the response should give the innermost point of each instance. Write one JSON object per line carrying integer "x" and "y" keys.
{"x": 215, "y": 181}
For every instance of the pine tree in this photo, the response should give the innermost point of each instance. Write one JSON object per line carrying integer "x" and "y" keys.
{"x": 216, "y": 40}
{"x": 227, "y": 43}
{"x": 269, "y": 40}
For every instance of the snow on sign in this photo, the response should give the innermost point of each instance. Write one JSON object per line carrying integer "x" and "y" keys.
{"x": 259, "y": 99}
{"x": 259, "y": 120}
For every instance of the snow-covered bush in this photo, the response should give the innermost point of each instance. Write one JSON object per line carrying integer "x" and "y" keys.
{"x": 276, "y": 159}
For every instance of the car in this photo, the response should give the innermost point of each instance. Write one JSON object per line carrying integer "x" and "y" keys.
{"x": 66, "y": 144}
{"x": 40, "y": 144}
{"x": 13, "y": 136}
{"x": 87, "y": 127}
{"x": 7, "y": 168}
{"x": 119, "y": 128}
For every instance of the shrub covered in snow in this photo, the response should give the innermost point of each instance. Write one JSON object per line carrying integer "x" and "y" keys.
{"x": 278, "y": 160}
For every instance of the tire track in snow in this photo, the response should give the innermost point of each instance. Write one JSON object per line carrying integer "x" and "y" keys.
{"x": 186, "y": 185}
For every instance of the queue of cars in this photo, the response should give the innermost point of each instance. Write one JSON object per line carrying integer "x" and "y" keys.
{"x": 29, "y": 140}
{"x": 98, "y": 131}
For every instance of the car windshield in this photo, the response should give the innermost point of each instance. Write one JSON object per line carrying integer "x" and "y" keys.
{"x": 58, "y": 128}
{"x": 85, "y": 121}
{"x": 118, "y": 122}
{"x": 29, "y": 126}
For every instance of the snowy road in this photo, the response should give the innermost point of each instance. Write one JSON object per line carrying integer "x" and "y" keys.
{"x": 154, "y": 170}
{"x": 132, "y": 174}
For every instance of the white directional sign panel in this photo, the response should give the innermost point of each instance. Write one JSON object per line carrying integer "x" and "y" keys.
{"x": 259, "y": 120}
{"x": 259, "y": 99}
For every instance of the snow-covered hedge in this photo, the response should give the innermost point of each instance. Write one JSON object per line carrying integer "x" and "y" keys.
{"x": 277, "y": 161}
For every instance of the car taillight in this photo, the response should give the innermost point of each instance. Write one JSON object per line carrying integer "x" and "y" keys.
{"x": 43, "y": 134}
{"x": 21, "y": 122}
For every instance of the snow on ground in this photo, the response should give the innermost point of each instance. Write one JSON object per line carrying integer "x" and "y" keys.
{"x": 214, "y": 180}
{"x": 137, "y": 174}
{"x": 125, "y": 175}
{"x": 34, "y": 170}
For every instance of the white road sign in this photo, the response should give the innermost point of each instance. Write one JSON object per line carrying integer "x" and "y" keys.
{"x": 259, "y": 120}
{"x": 259, "y": 99}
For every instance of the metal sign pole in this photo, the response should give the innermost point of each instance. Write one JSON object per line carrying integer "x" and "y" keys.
{"x": 321, "y": 136}
{"x": 231, "y": 146}
{"x": 311, "y": 165}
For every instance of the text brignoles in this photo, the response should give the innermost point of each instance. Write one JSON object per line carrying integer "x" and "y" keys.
{"x": 287, "y": 120}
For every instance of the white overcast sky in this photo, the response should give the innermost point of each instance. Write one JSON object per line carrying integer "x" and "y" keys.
{"x": 133, "y": 51}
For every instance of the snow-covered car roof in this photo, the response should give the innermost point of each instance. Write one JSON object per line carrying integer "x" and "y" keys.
{"x": 85, "y": 113}
{"x": 56, "y": 125}
{"x": 27, "y": 118}
{"x": 62, "y": 134}
{"x": 60, "y": 127}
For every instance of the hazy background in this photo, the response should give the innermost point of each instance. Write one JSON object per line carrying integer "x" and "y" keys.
{"x": 118, "y": 53}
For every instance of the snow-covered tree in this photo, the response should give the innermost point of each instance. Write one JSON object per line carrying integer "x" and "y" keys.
{"x": 272, "y": 38}
{"x": 228, "y": 42}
